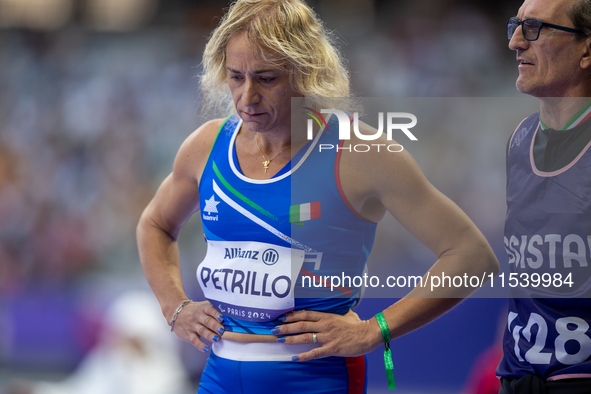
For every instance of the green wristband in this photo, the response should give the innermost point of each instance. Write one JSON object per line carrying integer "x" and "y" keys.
{"x": 388, "y": 364}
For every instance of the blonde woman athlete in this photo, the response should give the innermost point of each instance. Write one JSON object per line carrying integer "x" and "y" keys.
{"x": 271, "y": 202}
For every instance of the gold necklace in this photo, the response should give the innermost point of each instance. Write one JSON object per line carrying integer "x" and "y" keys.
{"x": 267, "y": 161}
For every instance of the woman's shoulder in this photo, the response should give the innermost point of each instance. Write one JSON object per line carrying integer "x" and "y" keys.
{"x": 194, "y": 152}
{"x": 201, "y": 140}
{"x": 206, "y": 133}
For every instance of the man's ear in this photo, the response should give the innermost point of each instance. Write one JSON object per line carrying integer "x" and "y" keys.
{"x": 586, "y": 56}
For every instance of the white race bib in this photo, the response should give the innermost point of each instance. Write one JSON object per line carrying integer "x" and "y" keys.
{"x": 251, "y": 281}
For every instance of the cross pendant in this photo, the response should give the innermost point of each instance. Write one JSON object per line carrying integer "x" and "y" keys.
{"x": 266, "y": 165}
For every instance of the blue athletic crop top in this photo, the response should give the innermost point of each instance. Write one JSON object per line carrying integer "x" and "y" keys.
{"x": 274, "y": 244}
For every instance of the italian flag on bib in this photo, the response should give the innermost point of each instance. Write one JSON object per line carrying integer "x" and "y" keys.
{"x": 302, "y": 212}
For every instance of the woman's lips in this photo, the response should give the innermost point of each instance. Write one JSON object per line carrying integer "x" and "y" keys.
{"x": 252, "y": 115}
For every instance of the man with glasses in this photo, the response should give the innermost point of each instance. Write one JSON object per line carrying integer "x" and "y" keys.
{"x": 547, "y": 344}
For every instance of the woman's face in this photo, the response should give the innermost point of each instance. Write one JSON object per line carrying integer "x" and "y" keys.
{"x": 261, "y": 93}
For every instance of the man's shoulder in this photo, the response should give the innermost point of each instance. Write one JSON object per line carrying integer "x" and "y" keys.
{"x": 523, "y": 129}
{"x": 528, "y": 121}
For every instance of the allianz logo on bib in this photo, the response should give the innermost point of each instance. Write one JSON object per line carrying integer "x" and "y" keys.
{"x": 269, "y": 256}
{"x": 238, "y": 253}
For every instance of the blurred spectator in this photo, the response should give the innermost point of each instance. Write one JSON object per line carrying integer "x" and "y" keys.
{"x": 81, "y": 114}
{"x": 136, "y": 354}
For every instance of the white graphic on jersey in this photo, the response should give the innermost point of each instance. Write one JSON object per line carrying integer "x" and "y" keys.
{"x": 265, "y": 225}
{"x": 567, "y": 252}
{"x": 520, "y": 136}
{"x": 315, "y": 258}
{"x": 211, "y": 205}
{"x": 541, "y": 345}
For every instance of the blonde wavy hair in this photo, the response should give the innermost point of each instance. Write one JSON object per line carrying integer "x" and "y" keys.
{"x": 287, "y": 34}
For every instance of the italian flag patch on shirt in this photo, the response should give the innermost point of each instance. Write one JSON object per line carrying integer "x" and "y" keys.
{"x": 303, "y": 212}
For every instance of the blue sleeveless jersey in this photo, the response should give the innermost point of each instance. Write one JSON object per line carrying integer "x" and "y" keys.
{"x": 548, "y": 233}
{"x": 273, "y": 243}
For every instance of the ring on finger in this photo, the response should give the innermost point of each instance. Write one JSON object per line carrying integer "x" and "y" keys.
{"x": 314, "y": 338}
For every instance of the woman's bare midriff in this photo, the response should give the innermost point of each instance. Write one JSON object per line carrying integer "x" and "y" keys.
{"x": 247, "y": 338}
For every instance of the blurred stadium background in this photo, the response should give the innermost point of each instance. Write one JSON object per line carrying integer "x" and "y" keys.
{"x": 96, "y": 96}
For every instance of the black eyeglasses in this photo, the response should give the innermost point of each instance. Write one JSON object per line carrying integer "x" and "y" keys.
{"x": 531, "y": 28}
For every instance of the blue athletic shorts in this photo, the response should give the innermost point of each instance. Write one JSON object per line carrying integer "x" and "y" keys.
{"x": 331, "y": 375}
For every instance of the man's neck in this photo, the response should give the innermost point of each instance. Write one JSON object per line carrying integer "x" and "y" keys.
{"x": 558, "y": 112}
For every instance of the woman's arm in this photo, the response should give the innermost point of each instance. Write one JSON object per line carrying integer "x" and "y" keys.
{"x": 393, "y": 182}
{"x": 175, "y": 201}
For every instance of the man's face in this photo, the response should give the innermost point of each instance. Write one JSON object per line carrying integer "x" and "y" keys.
{"x": 551, "y": 65}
